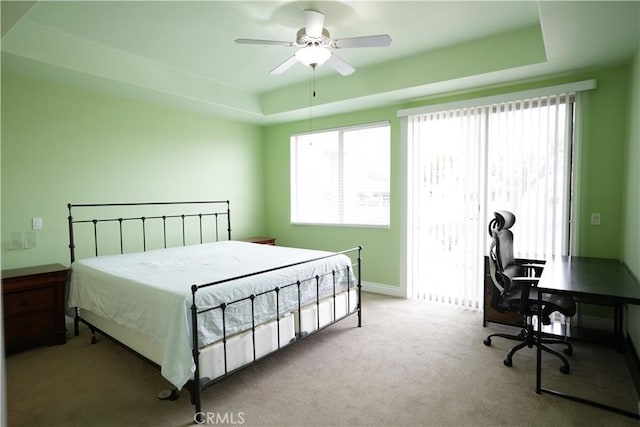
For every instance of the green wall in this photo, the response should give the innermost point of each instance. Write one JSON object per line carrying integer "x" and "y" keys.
{"x": 602, "y": 157}
{"x": 601, "y": 163}
{"x": 62, "y": 144}
{"x": 631, "y": 222}
{"x": 631, "y": 214}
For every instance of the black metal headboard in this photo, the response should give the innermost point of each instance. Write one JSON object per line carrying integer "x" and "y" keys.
{"x": 141, "y": 215}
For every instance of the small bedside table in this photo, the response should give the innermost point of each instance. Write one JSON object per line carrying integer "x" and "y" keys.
{"x": 33, "y": 306}
{"x": 261, "y": 240}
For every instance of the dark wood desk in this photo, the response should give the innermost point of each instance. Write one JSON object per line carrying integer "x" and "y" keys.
{"x": 594, "y": 280}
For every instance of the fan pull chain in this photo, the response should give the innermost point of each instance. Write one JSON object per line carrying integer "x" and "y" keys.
{"x": 313, "y": 79}
{"x": 312, "y": 91}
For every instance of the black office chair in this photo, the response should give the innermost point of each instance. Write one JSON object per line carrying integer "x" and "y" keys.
{"x": 515, "y": 291}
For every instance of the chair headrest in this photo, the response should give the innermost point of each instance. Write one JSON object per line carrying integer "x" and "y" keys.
{"x": 504, "y": 220}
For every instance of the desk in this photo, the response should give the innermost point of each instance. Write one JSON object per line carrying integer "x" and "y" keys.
{"x": 598, "y": 280}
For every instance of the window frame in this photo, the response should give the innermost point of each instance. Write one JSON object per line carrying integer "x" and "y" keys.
{"x": 341, "y": 130}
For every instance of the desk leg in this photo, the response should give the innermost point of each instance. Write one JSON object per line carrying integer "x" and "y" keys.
{"x": 617, "y": 327}
{"x": 540, "y": 390}
{"x": 539, "y": 348}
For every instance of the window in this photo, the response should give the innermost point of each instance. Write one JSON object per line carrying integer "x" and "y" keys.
{"x": 341, "y": 176}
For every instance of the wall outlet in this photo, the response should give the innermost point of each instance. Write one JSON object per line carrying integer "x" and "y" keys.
{"x": 595, "y": 219}
{"x": 36, "y": 223}
{"x": 29, "y": 240}
{"x": 16, "y": 240}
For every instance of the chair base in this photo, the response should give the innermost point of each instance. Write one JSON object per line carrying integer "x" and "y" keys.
{"x": 528, "y": 338}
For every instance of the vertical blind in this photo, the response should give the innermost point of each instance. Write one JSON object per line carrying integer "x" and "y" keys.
{"x": 464, "y": 164}
{"x": 529, "y": 170}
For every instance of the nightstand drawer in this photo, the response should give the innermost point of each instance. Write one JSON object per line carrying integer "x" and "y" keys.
{"x": 33, "y": 324}
{"x": 33, "y": 306}
{"x": 28, "y": 301}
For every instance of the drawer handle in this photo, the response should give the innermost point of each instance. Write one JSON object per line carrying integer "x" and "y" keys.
{"x": 24, "y": 302}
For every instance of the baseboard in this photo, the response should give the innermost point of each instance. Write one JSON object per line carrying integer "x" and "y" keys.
{"x": 380, "y": 288}
{"x": 633, "y": 363}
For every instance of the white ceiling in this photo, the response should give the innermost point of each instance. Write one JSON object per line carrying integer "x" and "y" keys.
{"x": 183, "y": 53}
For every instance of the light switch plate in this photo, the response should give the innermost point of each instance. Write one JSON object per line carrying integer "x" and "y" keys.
{"x": 36, "y": 223}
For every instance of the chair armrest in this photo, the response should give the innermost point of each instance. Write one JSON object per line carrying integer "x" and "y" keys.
{"x": 525, "y": 284}
{"x": 530, "y": 261}
{"x": 532, "y": 265}
{"x": 525, "y": 280}
{"x": 536, "y": 267}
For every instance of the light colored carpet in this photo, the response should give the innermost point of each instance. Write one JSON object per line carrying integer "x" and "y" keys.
{"x": 412, "y": 363}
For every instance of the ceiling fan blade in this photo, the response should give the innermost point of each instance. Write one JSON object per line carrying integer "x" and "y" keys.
{"x": 284, "y": 66}
{"x": 339, "y": 65}
{"x": 254, "y": 41}
{"x": 313, "y": 22}
{"x": 381, "y": 40}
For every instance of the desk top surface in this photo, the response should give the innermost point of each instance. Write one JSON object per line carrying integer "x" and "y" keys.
{"x": 590, "y": 277}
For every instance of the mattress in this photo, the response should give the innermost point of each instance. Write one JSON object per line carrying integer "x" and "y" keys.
{"x": 271, "y": 336}
{"x": 149, "y": 293}
{"x": 214, "y": 361}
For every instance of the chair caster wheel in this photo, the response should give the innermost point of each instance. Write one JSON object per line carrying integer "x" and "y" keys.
{"x": 564, "y": 369}
{"x": 507, "y": 362}
{"x": 568, "y": 351}
{"x": 487, "y": 342}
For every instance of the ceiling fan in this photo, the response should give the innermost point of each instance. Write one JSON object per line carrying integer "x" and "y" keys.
{"x": 315, "y": 44}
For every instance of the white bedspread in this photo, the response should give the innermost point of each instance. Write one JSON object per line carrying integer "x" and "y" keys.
{"x": 150, "y": 292}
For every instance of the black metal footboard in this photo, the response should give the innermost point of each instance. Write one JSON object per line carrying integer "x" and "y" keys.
{"x": 199, "y": 383}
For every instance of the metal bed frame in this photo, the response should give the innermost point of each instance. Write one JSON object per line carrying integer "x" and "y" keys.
{"x": 196, "y": 385}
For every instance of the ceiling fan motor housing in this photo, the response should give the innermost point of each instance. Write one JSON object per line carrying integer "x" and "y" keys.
{"x": 304, "y": 40}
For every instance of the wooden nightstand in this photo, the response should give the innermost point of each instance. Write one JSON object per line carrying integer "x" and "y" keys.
{"x": 33, "y": 306}
{"x": 261, "y": 239}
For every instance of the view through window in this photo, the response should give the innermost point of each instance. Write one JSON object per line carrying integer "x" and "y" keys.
{"x": 341, "y": 176}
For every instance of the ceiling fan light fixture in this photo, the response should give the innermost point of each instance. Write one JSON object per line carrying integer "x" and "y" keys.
{"x": 313, "y": 55}
{"x": 315, "y": 45}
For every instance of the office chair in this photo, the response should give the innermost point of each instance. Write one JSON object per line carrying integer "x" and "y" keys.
{"x": 515, "y": 291}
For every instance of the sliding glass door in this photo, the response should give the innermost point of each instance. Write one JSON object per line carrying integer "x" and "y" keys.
{"x": 529, "y": 170}
{"x": 446, "y": 161}
{"x": 465, "y": 163}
